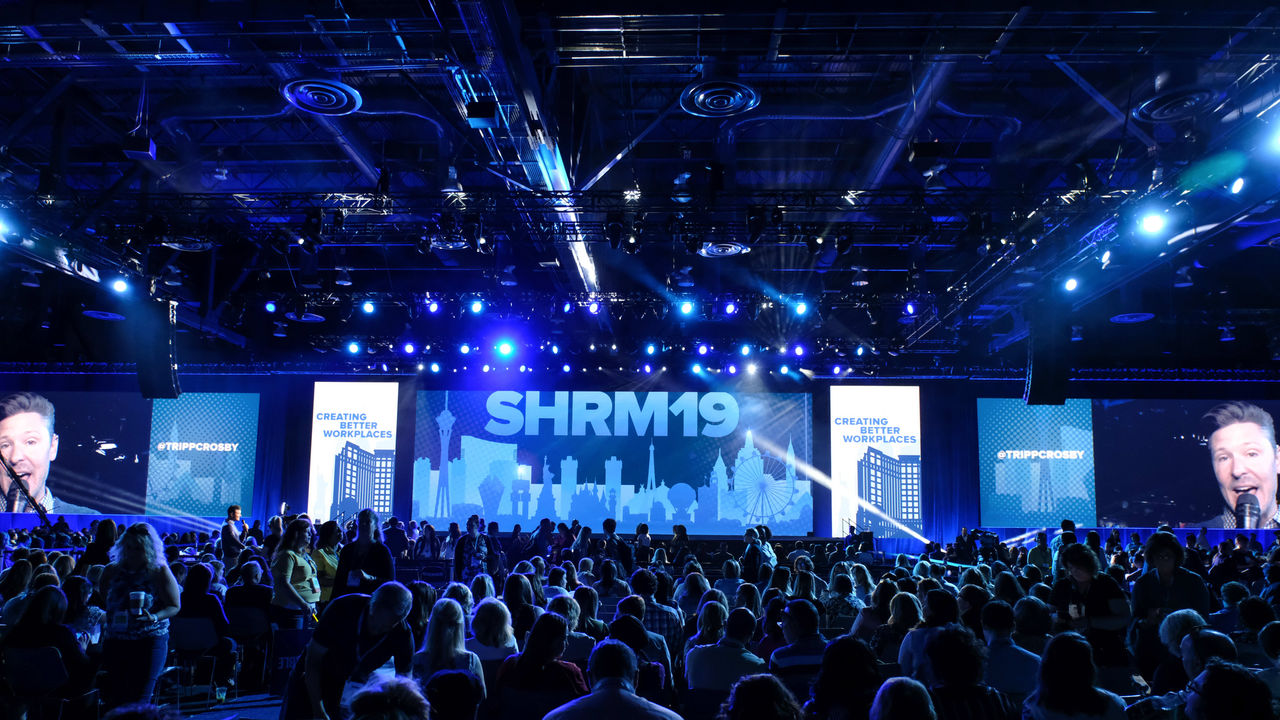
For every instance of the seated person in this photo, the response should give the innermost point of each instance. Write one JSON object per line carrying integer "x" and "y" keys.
{"x": 250, "y": 593}
{"x": 613, "y": 670}
{"x": 41, "y": 625}
{"x": 198, "y": 601}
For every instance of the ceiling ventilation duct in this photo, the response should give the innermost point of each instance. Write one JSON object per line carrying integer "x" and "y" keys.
{"x": 1177, "y": 93}
{"x": 719, "y": 93}
{"x": 321, "y": 96}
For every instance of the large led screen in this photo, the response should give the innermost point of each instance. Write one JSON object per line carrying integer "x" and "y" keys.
{"x": 1134, "y": 463}
{"x": 119, "y": 453}
{"x": 1164, "y": 461}
{"x": 715, "y": 462}
{"x": 353, "y": 448}
{"x": 1035, "y": 463}
{"x": 875, "y": 460}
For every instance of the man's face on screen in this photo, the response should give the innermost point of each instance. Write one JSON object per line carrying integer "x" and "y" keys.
{"x": 25, "y": 443}
{"x": 1245, "y": 461}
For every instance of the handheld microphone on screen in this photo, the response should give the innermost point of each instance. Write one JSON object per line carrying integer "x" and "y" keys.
{"x": 1248, "y": 511}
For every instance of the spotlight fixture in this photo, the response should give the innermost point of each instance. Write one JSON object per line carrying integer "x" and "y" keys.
{"x": 343, "y": 278}
{"x": 731, "y": 308}
{"x": 1071, "y": 284}
{"x": 631, "y": 195}
{"x": 745, "y": 350}
{"x": 409, "y": 348}
{"x": 477, "y": 307}
{"x": 120, "y": 285}
{"x": 433, "y": 307}
{"x": 353, "y": 347}
{"x": 506, "y": 348}
{"x": 784, "y": 370}
{"x": 682, "y": 277}
{"x": 280, "y": 330}
{"x": 270, "y": 306}
{"x": 30, "y": 277}
{"x": 687, "y": 307}
{"x": 703, "y": 349}
{"x": 1226, "y": 333}
{"x": 650, "y": 349}
{"x": 801, "y": 307}
{"x": 1182, "y": 277}
{"x": 507, "y": 276}
{"x": 465, "y": 349}
{"x": 593, "y": 307}
{"x": 1153, "y": 223}
{"x": 368, "y": 307}
{"x": 1237, "y": 185}
{"x": 435, "y": 367}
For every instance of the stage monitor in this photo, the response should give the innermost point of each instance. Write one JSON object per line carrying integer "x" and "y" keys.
{"x": 715, "y": 462}
{"x": 875, "y": 460}
{"x": 353, "y": 449}
{"x": 119, "y": 453}
{"x": 1035, "y": 463}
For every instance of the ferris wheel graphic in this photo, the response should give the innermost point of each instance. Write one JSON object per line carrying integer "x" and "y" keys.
{"x": 760, "y": 488}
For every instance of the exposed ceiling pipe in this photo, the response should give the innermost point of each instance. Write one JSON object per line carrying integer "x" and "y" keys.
{"x": 928, "y": 90}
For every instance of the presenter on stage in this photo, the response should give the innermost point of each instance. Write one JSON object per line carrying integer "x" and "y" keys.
{"x": 1245, "y": 462}
{"x": 29, "y": 445}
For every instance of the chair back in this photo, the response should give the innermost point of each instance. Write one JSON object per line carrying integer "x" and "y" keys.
{"x": 248, "y": 624}
{"x": 192, "y": 636}
{"x": 33, "y": 672}
{"x": 701, "y": 704}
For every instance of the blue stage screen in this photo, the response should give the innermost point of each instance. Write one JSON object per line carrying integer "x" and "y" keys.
{"x": 715, "y": 462}
{"x": 1035, "y": 463}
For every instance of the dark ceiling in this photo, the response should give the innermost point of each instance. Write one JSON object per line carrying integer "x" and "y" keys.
{"x": 538, "y": 156}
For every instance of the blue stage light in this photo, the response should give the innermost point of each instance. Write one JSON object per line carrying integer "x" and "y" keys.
{"x": 367, "y": 307}
{"x": 835, "y": 370}
{"x": 465, "y": 349}
{"x": 1237, "y": 185}
{"x": 745, "y": 350}
{"x": 697, "y": 369}
{"x": 120, "y": 285}
{"x": 910, "y": 308}
{"x": 784, "y": 370}
{"x": 733, "y": 369}
{"x": 270, "y": 307}
{"x": 353, "y": 347}
{"x": 593, "y": 307}
{"x": 485, "y": 368}
{"x": 567, "y": 307}
{"x": 650, "y": 349}
{"x": 703, "y": 349}
{"x": 506, "y": 348}
{"x": 801, "y": 308}
{"x": 859, "y": 351}
{"x": 477, "y": 307}
{"x": 566, "y": 367}
{"x": 1153, "y": 223}
{"x": 686, "y": 308}
{"x": 433, "y": 307}
{"x": 799, "y": 351}
{"x": 409, "y": 348}
{"x": 1071, "y": 284}
{"x": 555, "y": 349}
{"x": 731, "y": 308}
{"x": 648, "y": 368}
{"x": 435, "y": 367}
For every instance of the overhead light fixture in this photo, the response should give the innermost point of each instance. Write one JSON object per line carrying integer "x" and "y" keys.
{"x": 859, "y": 278}
{"x": 1226, "y": 333}
{"x": 507, "y": 276}
{"x": 1071, "y": 284}
{"x": 1182, "y": 277}
{"x": 631, "y": 195}
{"x": 343, "y": 278}
{"x": 31, "y": 278}
{"x": 280, "y": 329}
{"x": 1153, "y": 223}
{"x": 682, "y": 277}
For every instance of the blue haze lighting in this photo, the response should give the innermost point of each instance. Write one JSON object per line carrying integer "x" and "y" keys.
{"x": 506, "y": 348}
{"x": 353, "y": 348}
{"x": 270, "y": 306}
{"x": 686, "y": 308}
{"x": 1071, "y": 284}
{"x": 367, "y": 307}
{"x": 801, "y": 308}
{"x": 1237, "y": 186}
{"x": 120, "y": 285}
{"x": 435, "y": 367}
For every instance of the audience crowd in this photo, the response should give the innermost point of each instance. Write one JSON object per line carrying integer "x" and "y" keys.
{"x": 566, "y": 623}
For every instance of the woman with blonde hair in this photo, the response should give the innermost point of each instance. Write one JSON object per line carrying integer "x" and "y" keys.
{"x": 905, "y": 613}
{"x": 141, "y": 595}
{"x": 492, "y": 637}
{"x": 445, "y": 645}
